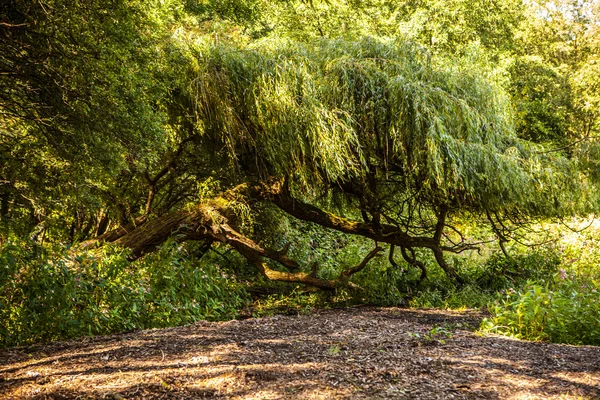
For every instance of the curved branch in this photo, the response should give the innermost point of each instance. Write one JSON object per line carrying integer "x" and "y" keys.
{"x": 391, "y": 257}
{"x": 275, "y": 193}
{"x": 254, "y": 253}
{"x": 440, "y": 225}
{"x": 412, "y": 259}
{"x": 438, "y": 253}
{"x": 351, "y": 271}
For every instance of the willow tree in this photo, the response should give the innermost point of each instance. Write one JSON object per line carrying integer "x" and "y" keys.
{"x": 404, "y": 141}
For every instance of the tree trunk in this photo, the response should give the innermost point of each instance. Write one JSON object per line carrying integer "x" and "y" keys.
{"x": 207, "y": 222}
{"x": 214, "y": 221}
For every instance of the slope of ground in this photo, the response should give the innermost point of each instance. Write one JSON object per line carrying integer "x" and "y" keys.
{"x": 358, "y": 353}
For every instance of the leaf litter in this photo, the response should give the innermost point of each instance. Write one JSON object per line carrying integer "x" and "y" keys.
{"x": 355, "y": 353}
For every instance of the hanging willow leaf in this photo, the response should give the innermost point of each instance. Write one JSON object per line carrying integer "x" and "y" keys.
{"x": 333, "y": 111}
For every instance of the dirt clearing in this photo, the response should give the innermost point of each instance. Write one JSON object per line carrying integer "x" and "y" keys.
{"x": 357, "y": 353}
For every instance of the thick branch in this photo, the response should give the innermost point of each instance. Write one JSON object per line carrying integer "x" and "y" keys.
{"x": 350, "y": 271}
{"x": 276, "y": 194}
{"x": 146, "y": 238}
{"x": 254, "y": 253}
{"x": 214, "y": 221}
{"x": 450, "y": 272}
{"x": 207, "y": 222}
{"x": 391, "y": 257}
{"x": 412, "y": 259}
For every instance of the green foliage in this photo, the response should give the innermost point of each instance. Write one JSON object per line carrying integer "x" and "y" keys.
{"x": 580, "y": 250}
{"x": 560, "y": 300}
{"x": 564, "y": 311}
{"x": 469, "y": 296}
{"x": 554, "y": 74}
{"x": 500, "y": 272}
{"x": 241, "y": 11}
{"x": 384, "y": 284}
{"x": 542, "y": 101}
{"x": 297, "y": 301}
{"x": 487, "y": 275}
{"x": 83, "y": 94}
{"x": 48, "y": 294}
{"x": 442, "y": 25}
{"x": 184, "y": 290}
{"x": 318, "y": 113}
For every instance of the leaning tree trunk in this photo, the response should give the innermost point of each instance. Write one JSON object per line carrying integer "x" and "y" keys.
{"x": 150, "y": 235}
{"x": 213, "y": 222}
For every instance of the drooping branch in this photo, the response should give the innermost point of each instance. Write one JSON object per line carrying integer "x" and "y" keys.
{"x": 255, "y": 253}
{"x": 276, "y": 193}
{"x": 412, "y": 259}
{"x": 345, "y": 275}
{"x": 391, "y": 257}
{"x": 438, "y": 253}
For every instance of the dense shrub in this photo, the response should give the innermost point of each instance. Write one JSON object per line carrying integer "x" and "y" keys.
{"x": 566, "y": 310}
{"x": 47, "y": 294}
{"x": 468, "y": 296}
{"x": 525, "y": 264}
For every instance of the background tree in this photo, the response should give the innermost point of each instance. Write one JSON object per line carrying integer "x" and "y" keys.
{"x": 84, "y": 94}
{"x": 553, "y": 73}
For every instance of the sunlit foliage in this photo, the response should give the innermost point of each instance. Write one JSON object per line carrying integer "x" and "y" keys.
{"x": 425, "y": 128}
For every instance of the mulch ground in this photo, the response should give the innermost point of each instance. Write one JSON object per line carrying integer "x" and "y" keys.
{"x": 357, "y": 353}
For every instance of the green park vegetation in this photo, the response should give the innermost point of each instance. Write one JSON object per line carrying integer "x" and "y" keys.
{"x": 167, "y": 161}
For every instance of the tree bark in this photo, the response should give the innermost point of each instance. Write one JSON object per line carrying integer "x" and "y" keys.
{"x": 208, "y": 222}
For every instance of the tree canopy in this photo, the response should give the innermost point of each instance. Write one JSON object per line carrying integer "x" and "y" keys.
{"x": 135, "y": 122}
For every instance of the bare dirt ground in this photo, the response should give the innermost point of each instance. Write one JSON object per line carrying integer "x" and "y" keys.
{"x": 358, "y": 353}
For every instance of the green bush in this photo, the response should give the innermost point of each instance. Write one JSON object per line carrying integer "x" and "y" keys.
{"x": 48, "y": 294}
{"x": 566, "y": 310}
{"x": 486, "y": 276}
{"x": 468, "y": 296}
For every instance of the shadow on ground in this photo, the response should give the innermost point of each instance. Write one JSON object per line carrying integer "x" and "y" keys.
{"x": 354, "y": 353}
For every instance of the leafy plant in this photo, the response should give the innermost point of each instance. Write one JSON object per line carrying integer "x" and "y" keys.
{"x": 435, "y": 335}
{"x": 566, "y": 310}
{"x": 48, "y": 294}
{"x": 333, "y": 350}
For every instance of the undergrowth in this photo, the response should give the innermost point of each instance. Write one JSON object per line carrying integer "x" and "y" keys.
{"x": 48, "y": 294}
{"x": 566, "y": 310}
{"x": 549, "y": 293}
{"x": 560, "y": 307}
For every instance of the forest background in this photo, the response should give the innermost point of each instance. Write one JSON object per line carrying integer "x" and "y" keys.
{"x": 168, "y": 161}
